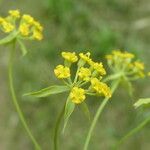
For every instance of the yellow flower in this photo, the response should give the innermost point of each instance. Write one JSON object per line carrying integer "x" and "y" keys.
{"x": 38, "y": 26}
{"x": 28, "y": 19}
{"x": 37, "y": 35}
{"x": 141, "y": 74}
{"x": 7, "y": 27}
{"x": 100, "y": 87}
{"x": 99, "y": 68}
{"x": 24, "y": 29}
{"x": 85, "y": 57}
{"x": 71, "y": 57}
{"x": 1, "y": 20}
{"x": 139, "y": 65}
{"x": 109, "y": 57}
{"x": 84, "y": 74}
{"x": 14, "y": 13}
{"x": 62, "y": 72}
{"x": 77, "y": 95}
{"x": 148, "y": 73}
{"x": 28, "y": 27}
{"x": 124, "y": 55}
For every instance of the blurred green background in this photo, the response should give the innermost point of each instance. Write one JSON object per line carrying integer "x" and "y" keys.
{"x": 95, "y": 25}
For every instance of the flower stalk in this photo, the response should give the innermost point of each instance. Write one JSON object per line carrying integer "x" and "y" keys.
{"x": 15, "y": 101}
{"x": 98, "y": 114}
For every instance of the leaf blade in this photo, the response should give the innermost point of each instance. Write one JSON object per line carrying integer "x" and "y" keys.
{"x": 55, "y": 89}
{"x": 142, "y": 101}
{"x": 85, "y": 110}
{"x": 69, "y": 108}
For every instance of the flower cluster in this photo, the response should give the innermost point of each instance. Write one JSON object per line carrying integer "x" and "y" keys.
{"x": 24, "y": 25}
{"x": 125, "y": 63}
{"x": 87, "y": 79}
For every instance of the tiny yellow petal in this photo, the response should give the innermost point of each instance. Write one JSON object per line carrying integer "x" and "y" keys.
{"x": 62, "y": 72}
{"x": 15, "y": 13}
{"x": 24, "y": 29}
{"x": 77, "y": 95}
{"x": 37, "y": 35}
{"x": 71, "y": 57}
{"x": 100, "y": 88}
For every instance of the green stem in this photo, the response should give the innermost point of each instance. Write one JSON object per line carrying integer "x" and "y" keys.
{"x": 14, "y": 98}
{"x": 132, "y": 132}
{"x": 97, "y": 115}
{"x": 57, "y": 128}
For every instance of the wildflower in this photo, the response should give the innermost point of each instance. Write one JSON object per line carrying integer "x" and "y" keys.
{"x": 148, "y": 73}
{"x": 7, "y": 26}
{"x": 139, "y": 65}
{"x": 123, "y": 62}
{"x": 27, "y": 18}
{"x": 62, "y": 72}
{"x": 84, "y": 74}
{"x": 70, "y": 57}
{"x": 109, "y": 57}
{"x": 85, "y": 57}
{"x": 37, "y": 35}
{"x": 28, "y": 27}
{"x": 24, "y": 29}
{"x": 100, "y": 87}
{"x": 38, "y": 26}
{"x": 14, "y": 13}
{"x": 99, "y": 68}
{"x": 124, "y": 55}
{"x": 77, "y": 95}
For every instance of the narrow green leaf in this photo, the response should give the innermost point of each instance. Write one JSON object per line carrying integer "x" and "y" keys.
{"x": 23, "y": 48}
{"x": 85, "y": 110}
{"x": 141, "y": 102}
{"x": 69, "y": 108}
{"x": 55, "y": 89}
{"x": 8, "y": 38}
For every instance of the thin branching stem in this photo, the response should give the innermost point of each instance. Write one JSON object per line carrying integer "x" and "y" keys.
{"x": 15, "y": 101}
{"x": 98, "y": 113}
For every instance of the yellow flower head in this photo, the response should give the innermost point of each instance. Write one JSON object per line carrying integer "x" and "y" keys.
{"x": 99, "y": 68}
{"x": 84, "y": 74}
{"x": 77, "y": 95}
{"x": 24, "y": 29}
{"x": 27, "y": 18}
{"x": 139, "y": 65}
{"x": 37, "y": 35}
{"x": 7, "y": 26}
{"x": 1, "y": 20}
{"x": 71, "y": 57}
{"x": 109, "y": 57}
{"x": 124, "y": 55}
{"x": 62, "y": 72}
{"x": 100, "y": 87}
{"x": 28, "y": 27}
{"x": 14, "y": 13}
{"x": 124, "y": 62}
{"x": 85, "y": 57}
{"x": 38, "y": 26}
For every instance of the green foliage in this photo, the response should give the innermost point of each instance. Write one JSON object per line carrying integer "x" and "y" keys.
{"x": 142, "y": 102}
{"x": 74, "y": 25}
{"x": 55, "y": 89}
{"x": 69, "y": 108}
